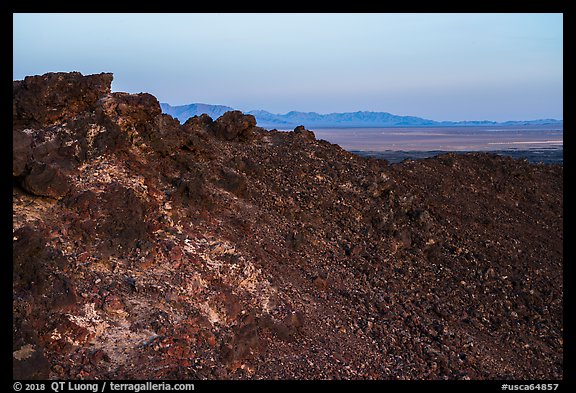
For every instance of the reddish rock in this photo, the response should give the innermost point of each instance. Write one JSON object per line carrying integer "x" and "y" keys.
{"x": 98, "y": 356}
{"x": 113, "y": 303}
{"x": 209, "y": 257}
{"x": 21, "y": 152}
{"x": 42, "y": 100}
{"x": 30, "y": 366}
{"x": 320, "y": 283}
{"x": 234, "y": 126}
{"x": 46, "y": 180}
{"x": 302, "y": 133}
{"x": 233, "y": 182}
{"x": 137, "y": 116}
{"x": 203, "y": 122}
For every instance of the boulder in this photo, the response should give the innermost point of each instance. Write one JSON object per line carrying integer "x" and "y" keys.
{"x": 136, "y": 115}
{"x": 45, "y": 180}
{"x": 234, "y": 126}
{"x": 196, "y": 122}
{"x": 42, "y": 100}
{"x": 302, "y": 133}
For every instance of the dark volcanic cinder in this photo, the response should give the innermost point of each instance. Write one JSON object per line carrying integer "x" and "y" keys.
{"x": 146, "y": 249}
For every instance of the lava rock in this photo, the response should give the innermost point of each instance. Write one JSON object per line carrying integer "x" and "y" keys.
{"x": 29, "y": 363}
{"x": 443, "y": 268}
{"x": 302, "y": 133}
{"x": 46, "y": 180}
{"x": 136, "y": 115}
{"x": 48, "y": 152}
{"x": 21, "y": 151}
{"x": 41, "y": 100}
{"x": 234, "y": 126}
{"x": 191, "y": 190}
{"x": 233, "y": 182}
{"x": 195, "y": 122}
{"x": 124, "y": 218}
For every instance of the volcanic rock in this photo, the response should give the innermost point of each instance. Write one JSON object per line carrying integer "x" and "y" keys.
{"x": 202, "y": 121}
{"x": 41, "y": 100}
{"x": 45, "y": 180}
{"x": 22, "y": 152}
{"x": 136, "y": 115}
{"x": 303, "y": 133}
{"x": 234, "y": 126}
{"x": 147, "y": 249}
{"x": 30, "y": 363}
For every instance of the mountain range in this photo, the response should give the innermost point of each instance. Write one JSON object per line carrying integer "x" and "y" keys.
{"x": 334, "y": 120}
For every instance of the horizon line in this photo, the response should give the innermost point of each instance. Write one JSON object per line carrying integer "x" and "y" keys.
{"x": 359, "y": 111}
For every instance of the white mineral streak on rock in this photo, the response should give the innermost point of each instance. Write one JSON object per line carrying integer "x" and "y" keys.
{"x": 91, "y": 321}
{"x": 23, "y": 353}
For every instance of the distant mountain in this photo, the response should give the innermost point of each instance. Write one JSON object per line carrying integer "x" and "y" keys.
{"x": 184, "y": 112}
{"x": 348, "y": 119}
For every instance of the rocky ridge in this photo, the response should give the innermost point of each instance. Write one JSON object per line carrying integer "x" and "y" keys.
{"x": 215, "y": 249}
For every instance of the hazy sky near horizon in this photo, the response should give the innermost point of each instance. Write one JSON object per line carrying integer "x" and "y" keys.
{"x": 437, "y": 66}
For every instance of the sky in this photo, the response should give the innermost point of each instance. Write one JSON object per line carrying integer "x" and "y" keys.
{"x": 438, "y": 66}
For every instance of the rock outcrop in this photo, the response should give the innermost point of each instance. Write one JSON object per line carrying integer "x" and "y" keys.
{"x": 43, "y": 100}
{"x": 303, "y": 133}
{"x": 215, "y": 249}
{"x": 234, "y": 126}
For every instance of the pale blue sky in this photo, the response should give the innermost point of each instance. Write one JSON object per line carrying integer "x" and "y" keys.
{"x": 438, "y": 66}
